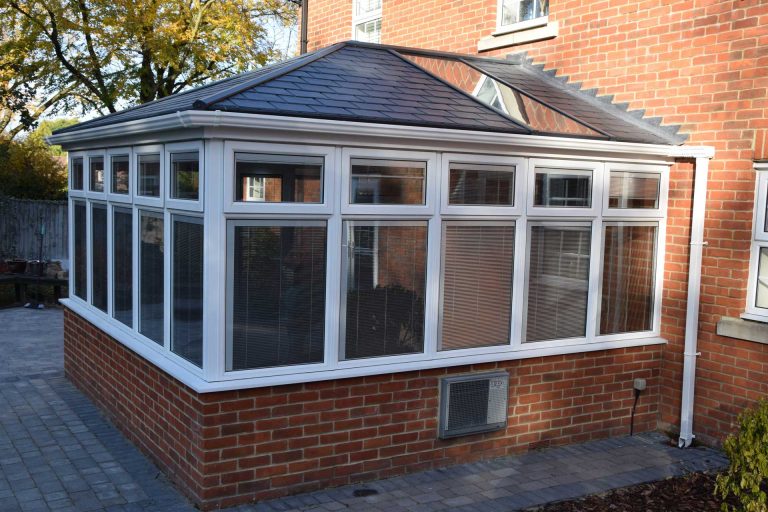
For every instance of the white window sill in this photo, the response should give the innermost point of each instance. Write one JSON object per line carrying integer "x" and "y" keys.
{"x": 749, "y": 328}
{"x": 518, "y": 34}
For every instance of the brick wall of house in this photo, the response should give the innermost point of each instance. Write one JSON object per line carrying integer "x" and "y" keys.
{"x": 702, "y": 64}
{"x": 233, "y": 447}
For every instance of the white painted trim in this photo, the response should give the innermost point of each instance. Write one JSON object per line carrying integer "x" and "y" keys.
{"x": 184, "y": 147}
{"x": 215, "y": 267}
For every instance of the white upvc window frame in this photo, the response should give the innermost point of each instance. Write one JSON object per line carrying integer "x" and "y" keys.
{"x": 328, "y": 179}
{"x": 653, "y": 213}
{"x": 359, "y": 19}
{"x": 77, "y": 192}
{"x": 92, "y": 194}
{"x": 152, "y": 201}
{"x": 195, "y": 205}
{"x": 759, "y": 242}
{"x": 111, "y": 152}
{"x": 579, "y": 167}
{"x": 520, "y": 173}
{"x": 519, "y": 24}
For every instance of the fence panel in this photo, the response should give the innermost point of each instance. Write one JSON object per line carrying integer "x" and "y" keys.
{"x": 20, "y": 227}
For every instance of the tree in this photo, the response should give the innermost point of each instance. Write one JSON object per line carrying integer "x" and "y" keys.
{"x": 102, "y": 55}
{"x": 29, "y": 170}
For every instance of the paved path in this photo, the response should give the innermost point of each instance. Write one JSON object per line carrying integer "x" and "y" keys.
{"x": 57, "y": 453}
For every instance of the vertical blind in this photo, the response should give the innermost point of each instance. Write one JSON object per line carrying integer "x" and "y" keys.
{"x": 187, "y": 288}
{"x": 385, "y": 288}
{"x": 151, "y": 276}
{"x": 80, "y": 244}
{"x": 478, "y": 259}
{"x": 628, "y": 279}
{"x": 278, "y": 296}
{"x": 558, "y": 282}
{"x": 122, "y": 262}
{"x": 99, "y": 257}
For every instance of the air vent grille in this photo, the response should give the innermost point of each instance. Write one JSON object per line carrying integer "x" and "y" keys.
{"x": 473, "y": 403}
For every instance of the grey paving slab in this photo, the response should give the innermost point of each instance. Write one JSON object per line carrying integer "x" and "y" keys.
{"x": 58, "y": 453}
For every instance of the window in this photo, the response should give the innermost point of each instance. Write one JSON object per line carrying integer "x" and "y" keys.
{"x": 366, "y": 20}
{"x": 276, "y": 272}
{"x": 151, "y": 276}
{"x": 99, "y": 256}
{"x": 122, "y": 265}
{"x": 630, "y": 190}
{"x": 518, "y": 11}
{"x": 80, "y": 251}
{"x": 387, "y": 182}
{"x": 187, "y": 289}
{"x": 757, "y": 292}
{"x": 481, "y": 185}
{"x": 120, "y": 174}
{"x": 385, "y": 265}
{"x": 562, "y": 188}
{"x": 278, "y": 178}
{"x": 76, "y": 174}
{"x": 96, "y": 181}
{"x": 149, "y": 174}
{"x": 185, "y": 175}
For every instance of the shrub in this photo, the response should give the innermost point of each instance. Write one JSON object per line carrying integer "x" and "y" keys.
{"x": 28, "y": 170}
{"x": 747, "y": 477}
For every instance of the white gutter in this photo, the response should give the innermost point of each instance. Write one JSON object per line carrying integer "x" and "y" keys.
{"x": 694, "y": 292}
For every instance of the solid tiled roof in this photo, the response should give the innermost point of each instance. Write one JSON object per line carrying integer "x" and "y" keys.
{"x": 375, "y": 83}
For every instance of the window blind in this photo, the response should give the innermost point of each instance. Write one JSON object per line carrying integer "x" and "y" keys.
{"x": 187, "y": 288}
{"x": 122, "y": 262}
{"x": 80, "y": 245}
{"x": 99, "y": 256}
{"x": 151, "y": 277}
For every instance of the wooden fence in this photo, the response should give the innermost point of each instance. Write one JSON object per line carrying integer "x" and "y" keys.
{"x": 20, "y": 227}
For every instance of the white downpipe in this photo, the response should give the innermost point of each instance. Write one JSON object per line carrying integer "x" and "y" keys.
{"x": 694, "y": 294}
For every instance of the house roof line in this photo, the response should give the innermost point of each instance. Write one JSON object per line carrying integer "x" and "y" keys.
{"x": 301, "y": 61}
{"x": 512, "y": 59}
{"x": 464, "y": 93}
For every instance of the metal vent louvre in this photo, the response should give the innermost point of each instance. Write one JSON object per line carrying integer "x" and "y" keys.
{"x": 473, "y": 403}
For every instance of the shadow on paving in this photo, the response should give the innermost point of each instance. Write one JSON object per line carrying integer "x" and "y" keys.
{"x": 58, "y": 453}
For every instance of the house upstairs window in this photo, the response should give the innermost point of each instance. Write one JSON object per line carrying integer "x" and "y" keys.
{"x": 518, "y": 12}
{"x": 366, "y": 20}
{"x": 757, "y": 293}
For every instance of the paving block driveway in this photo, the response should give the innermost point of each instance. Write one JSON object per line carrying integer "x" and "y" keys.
{"x": 57, "y": 453}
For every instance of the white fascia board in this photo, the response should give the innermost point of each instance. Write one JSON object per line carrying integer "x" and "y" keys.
{"x": 218, "y": 119}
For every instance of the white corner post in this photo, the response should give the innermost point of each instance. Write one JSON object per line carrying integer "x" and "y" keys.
{"x": 694, "y": 294}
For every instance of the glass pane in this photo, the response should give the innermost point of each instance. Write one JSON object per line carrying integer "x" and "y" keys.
{"x": 97, "y": 173}
{"x": 558, "y": 282}
{"x": 563, "y": 188}
{"x": 481, "y": 185}
{"x": 278, "y": 179}
{"x": 151, "y": 276}
{"x": 77, "y": 174}
{"x": 120, "y": 177}
{"x": 385, "y": 287}
{"x": 509, "y": 12}
{"x": 476, "y": 304}
{"x": 149, "y": 175}
{"x": 278, "y": 296}
{"x": 369, "y": 31}
{"x": 187, "y": 286}
{"x": 629, "y": 265}
{"x": 185, "y": 175}
{"x": 762, "y": 279}
{"x": 366, "y": 6}
{"x": 80, "y": 245}
{"x": 634, "y": 190}
{"x": 387, "y": 182}
{"x": 99, "y": 262}
{"x": 122, "y": 261}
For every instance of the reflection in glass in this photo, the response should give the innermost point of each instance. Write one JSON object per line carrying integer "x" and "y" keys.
{"x": 185, "y": 175}
{"x": 187, "y": 289}
{"x": 77, "y": 174}
{"x": 97, "y": 173}
{"x": 151, "y": 272}
{"x": 634, "y": 190}
{"x": 149, "y": 175}
{"x": 385, "y": 288}
{"x": 120, "y": 177}
{"x": 562, "y": 188}
{"x": 481, "y": 185}
{"x": 558, "y": 282}
{"x": 762, "y": 279}
{"x": 387, "y": 182}
{"x": 514, "y": 11}
{"x": 369, "y": 31}
{"x": 99, "y": 256}
{"x": 278, "y": 178}
{"x": 80, "y": 246}
{"x": 122, "y": 261}
{"x": 629, "y": 267}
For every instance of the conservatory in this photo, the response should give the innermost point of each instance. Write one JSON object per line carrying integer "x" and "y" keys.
{"x": 274, "y": 274}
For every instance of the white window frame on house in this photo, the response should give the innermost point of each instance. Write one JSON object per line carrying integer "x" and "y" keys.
{"x": 367, "y": 17}
{"x": 111, "y": 152}
{"x": 759, "y": 242}
{"x": 139, "y": 199}
{"x": 518, "y": 24}
{"x": 195, "y": 205}
{"x": 93, "y": 194}
{"x": 579, "y": 168}
{"x": 72, "y": 191}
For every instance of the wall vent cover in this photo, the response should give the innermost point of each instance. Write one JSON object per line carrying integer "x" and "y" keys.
{"x": 473, "y": 403}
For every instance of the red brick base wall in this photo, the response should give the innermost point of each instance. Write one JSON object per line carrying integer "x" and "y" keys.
{"x": 234, "y": 447}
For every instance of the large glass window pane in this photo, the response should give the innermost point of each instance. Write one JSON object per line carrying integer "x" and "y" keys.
{"x": 149, "y": 174}
{"x": 385, "y": 288}
{"x": 277, "y": 304}
{"x": 187, "y": 286}
{"x": 97, "y": 173}
{"x": 80, "y": 249}
{"x": 76, "y": 171}
{"x": 387, "y": 182}
{"x": 563, "y": 188}
{"x": 278, "y": 178}
{"x": 120, "y": 174}
{"x": 629, "y": 268}
{"x": 185, "y": 175}
{"x": 478, "y": 258}
{"x": 634, "y": 190}
{"x": 369, "y": 31}
{"x": 558, "y": 282}
{"x": 481, "y": 185}
{"x": 99, "y": 256}
{"x": 151, "y": 276}
{"x": 122, "y": 263}
{"x": 762, "y": 279}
